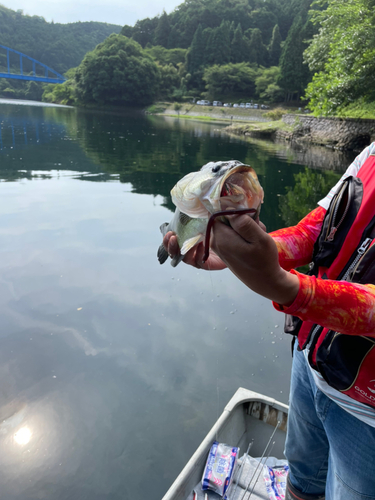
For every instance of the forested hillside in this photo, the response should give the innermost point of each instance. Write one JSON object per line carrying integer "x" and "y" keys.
{"x": 59, "y": 46}
{"x": 319, "y": 52}
{"x": 177, "y": 29}
{"x": 232, "y": 50}
{"x": 230, "y": 32}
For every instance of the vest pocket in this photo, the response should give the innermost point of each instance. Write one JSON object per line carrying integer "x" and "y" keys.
{"x": 337, "y": 222}
{"x": 339, "y": 358}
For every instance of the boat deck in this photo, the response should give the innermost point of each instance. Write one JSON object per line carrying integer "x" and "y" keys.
{"x": 248, "y": 417}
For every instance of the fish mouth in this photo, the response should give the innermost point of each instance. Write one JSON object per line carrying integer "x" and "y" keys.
{"x": 240, "y": 189}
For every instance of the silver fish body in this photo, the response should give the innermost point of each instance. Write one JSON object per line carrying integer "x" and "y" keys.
{"x": 215, "y": 187}
{"x": 189, "y": 233}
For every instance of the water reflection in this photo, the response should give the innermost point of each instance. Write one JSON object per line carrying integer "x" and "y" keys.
{"x": 118, "y": 366}
{"x": 22, "y": 436}
{"x": 151, "y": 153}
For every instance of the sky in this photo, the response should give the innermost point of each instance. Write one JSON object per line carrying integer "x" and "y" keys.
{"x": 119, "y": 12}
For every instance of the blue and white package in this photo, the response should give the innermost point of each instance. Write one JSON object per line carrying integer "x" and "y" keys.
{"x": 220, "y": 465}
{"x": 275, "y": 480}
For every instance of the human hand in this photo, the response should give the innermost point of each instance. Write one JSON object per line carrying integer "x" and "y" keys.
{"x": 251, "y": 254}
{"x": 194, "y": 257}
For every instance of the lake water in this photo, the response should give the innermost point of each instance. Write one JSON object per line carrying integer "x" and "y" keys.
{"x": 112, "y": 367}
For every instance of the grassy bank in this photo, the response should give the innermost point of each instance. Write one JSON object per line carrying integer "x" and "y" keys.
{"x": 265, "y": 130}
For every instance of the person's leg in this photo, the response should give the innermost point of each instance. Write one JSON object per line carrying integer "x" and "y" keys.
{"x": 352, "y": 456}
{"x": 318, "y": 428}
{"x": 306, "y": 447}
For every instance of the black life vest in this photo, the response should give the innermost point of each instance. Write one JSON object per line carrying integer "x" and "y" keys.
{"x": 345, "y": 251}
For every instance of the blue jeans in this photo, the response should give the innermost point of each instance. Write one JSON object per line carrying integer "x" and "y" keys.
{"x": 329, "y": 450}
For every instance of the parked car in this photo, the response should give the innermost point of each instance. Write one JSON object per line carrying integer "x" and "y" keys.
{"x": 236, "y": 105}
{"x": 205, "y": 103}
{"x": 242, "y": 105}
{"x": 227, "y": 105}
{"x": 256, "y": 106}
{"x": 248, "y": 105}
{"x": 263, "y": 106}
{"x": 217, "y": 103}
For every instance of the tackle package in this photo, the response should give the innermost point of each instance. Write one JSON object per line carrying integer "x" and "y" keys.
{"x": 220, "y": 465}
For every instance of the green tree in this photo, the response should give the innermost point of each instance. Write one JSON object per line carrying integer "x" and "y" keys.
{"x": 209, "y": 35}
{"x": 274, "y": 49}
{"x": 195, "y": 55}
{"x": 257, "y": 50}
{"x": 118, "y": 71}
{"x": 162, "y": 31}
{"x": 221, "y": 42}
{"x": 169, "y": 81}
{"x": 264, "y": 20}
{"x": 266, "y": 86}
{"x": 239, "y": 46}
{"x": 236, "y": 80}
{"x": 342, "y": 56}
{"x": 144, "y": 30}
{"x": 195, "y": 58}
{"x": 167, "y": 56}
{"x": 295, "y": 75}
{"x": 309, "y": 188}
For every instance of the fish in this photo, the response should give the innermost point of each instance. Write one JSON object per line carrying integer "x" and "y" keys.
{"x": 216, "y": 187}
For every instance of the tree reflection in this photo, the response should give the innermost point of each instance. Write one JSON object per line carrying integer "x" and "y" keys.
{"x": 310, "y": 187}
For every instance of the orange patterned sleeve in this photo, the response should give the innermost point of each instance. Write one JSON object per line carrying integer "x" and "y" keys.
{"x": 295, "y": 244}
{"x": 345, "y": 307}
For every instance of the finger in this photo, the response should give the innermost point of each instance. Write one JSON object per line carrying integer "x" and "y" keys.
{"x": 199, "y": 254}
{"x": 193, "y": 256}
{"x": 246, "y": 227}
{"x": 173, "y": 248}
{"x": 166, "y": 239}
{"x": 262, "y": 226}
{"x": 260, "y": 223}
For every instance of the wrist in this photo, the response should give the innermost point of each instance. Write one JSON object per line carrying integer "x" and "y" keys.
{"x": 286, "y": 288}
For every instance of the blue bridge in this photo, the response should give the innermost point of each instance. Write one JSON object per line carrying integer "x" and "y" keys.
{"x": 35, "y": 70}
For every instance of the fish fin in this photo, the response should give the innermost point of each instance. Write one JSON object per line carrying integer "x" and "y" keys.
{"x": 164, "y": 228}
{"x": 188, "y": 244}
{"x": 184, "y": 219}
{"x": 162, "y": 254}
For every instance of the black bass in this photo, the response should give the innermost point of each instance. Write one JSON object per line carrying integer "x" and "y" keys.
{"x": 217, "y": 186}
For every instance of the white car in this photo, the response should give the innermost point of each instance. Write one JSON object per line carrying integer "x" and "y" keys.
{"x": 248, "y": 105}
{"x": 227, "y": 105}
{"x": 236, "y": 105}
{"x": 242, "y": 105}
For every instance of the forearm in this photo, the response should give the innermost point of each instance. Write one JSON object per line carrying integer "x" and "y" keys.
{"x": 348, "y": 308}
{"x": 296, "y": 244}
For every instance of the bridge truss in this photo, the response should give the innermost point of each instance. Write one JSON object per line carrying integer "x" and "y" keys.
{"x": 36, "y": 65}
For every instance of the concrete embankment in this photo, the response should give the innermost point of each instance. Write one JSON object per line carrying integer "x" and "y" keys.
{"x": 348, "y": 133}
{"x": 338, "y": 133}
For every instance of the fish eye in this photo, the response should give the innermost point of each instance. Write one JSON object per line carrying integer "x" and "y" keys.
{"x": 216, "y": 168}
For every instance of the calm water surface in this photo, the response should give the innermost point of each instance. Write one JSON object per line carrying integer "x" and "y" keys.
{"x": 112, "y": 367}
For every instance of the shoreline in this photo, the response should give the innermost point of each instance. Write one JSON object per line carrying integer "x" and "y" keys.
{"x": 350, "y": 134}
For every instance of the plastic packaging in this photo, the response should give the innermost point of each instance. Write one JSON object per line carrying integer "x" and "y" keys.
{"x": 219, "y": 469}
